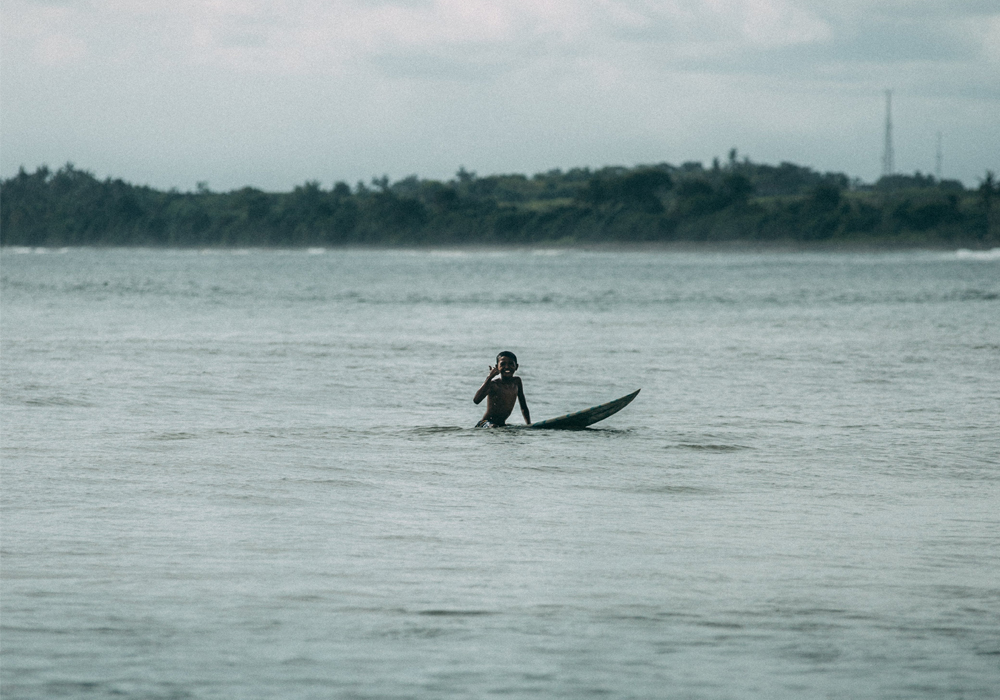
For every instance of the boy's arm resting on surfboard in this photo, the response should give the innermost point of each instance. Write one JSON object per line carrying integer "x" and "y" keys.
{"x": 524, "y": 404}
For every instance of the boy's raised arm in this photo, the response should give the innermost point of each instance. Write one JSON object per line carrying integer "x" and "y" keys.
{"x": 484, "y": 390}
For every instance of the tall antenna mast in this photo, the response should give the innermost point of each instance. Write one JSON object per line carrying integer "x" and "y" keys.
{"x": 938, "y": 157}
{"x": 888, "y": 166}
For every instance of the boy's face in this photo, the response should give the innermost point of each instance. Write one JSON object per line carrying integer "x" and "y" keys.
{"x": 506, "y": 366}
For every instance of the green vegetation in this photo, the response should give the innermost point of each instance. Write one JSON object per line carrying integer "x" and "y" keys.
{"x": 736, "y": 201}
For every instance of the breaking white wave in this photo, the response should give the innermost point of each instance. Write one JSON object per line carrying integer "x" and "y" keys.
{"x": 966, "y": 254}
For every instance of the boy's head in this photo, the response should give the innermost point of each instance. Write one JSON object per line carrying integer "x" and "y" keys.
{"x": 506, "y": 363}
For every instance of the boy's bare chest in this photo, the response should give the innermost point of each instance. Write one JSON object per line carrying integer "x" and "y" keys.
{"x": 505, "y": 391}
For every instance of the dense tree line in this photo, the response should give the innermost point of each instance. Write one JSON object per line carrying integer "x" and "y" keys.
{"x": 737, "y": 200}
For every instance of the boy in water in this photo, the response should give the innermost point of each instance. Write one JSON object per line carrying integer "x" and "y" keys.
{"x": 501, "y": 393}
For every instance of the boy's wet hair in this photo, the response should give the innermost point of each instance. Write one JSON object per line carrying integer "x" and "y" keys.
{"x": 507, "y": 353}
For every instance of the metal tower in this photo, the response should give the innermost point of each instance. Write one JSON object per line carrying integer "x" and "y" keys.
{"x": 938, "y": 158}
{"x": 888, "y": 166}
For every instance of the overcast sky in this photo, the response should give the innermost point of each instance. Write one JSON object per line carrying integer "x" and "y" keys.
{"x": 271, "y": 94}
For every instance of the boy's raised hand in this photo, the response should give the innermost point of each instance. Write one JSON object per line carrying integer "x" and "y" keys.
{"x": 494, "y": 371}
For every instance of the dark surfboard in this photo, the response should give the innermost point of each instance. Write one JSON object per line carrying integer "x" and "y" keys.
{"x": 589, "y": 416}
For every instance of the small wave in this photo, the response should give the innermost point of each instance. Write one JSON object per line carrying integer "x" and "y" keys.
{"x": 966, "y": 254}
{"x": 667, "y": 488}
{"x": 721, "y": 624}
{"x": 315, "y": 251}
{"x": 56, "y": 401}
{"x": 346, "y": 483}
{"x": 436, "y": 430}
{"x": 977, "y": 295}
{"x": 604, "y": 431}
{"x": 456, "y": 613}
{"x": 709, "y": 447}
{"x": 173, "y": 436}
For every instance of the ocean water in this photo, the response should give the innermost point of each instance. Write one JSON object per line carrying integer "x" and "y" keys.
{"x": 252, "y": 474}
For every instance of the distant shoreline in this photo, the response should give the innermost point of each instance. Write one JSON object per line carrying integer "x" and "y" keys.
{"x": 741, "y": 205}
{"x": 735, "y": 246}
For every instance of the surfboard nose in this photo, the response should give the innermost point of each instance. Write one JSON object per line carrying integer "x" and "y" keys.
{"x": 588, "y": 416}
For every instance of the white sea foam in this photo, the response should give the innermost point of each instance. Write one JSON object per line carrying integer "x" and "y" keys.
{"x": 966, "y": 254}
{"x": 449, "y": 253}
{"x": 226, "y": 251}
{"x": 28, "y": 250}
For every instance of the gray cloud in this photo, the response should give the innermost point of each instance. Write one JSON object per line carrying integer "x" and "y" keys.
{"x": 473, "y": 64}
{"x": 176, "y": 91}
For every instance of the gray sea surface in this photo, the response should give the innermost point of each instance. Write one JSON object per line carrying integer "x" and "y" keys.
{"x": 253, "y": 474}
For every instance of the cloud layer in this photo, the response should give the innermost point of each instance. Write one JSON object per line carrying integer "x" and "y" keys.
{"x": 272, "y": 94}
